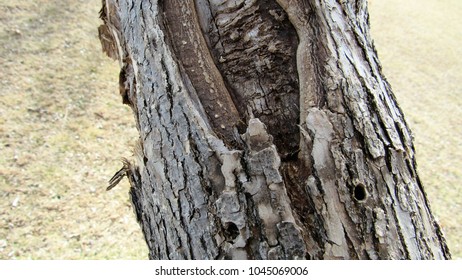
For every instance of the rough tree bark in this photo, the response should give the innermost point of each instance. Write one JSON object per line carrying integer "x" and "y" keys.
{"x": 267, "y": 131}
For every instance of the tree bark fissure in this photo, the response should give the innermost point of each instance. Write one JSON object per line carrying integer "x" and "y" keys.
{"x": 267, "y": 131}
{"x": 253, "y": 45}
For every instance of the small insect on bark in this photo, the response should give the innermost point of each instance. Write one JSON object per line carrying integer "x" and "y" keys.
{"x": 124, "y": 171}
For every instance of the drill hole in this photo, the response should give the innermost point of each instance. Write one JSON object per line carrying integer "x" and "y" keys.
{"x": 231, "y": 231}
{"x": 360, "y": 193}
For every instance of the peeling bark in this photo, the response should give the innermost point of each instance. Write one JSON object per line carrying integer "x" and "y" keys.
{"x": 267, "y": 131}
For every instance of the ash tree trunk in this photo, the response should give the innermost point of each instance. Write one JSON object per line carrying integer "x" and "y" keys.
{"x": 267, "y": 131}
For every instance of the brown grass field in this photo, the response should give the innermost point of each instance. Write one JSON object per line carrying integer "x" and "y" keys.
{"x": 63, "y": 126}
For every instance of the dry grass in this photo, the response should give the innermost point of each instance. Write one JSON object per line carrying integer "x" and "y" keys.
{"x": 419, "y": 45}
{"x": 63, "y": 126}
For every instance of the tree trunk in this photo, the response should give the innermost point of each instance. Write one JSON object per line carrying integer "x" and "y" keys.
{"x": 267, "y": 131}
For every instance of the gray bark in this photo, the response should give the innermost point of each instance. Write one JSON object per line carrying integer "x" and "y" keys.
{"x": 267, "y": 131}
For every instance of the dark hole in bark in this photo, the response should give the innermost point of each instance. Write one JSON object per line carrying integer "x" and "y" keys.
{"x": 231, "y": 231}
{"x": 360, "y": 192}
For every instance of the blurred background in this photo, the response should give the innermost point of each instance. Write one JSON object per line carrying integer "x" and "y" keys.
{"x": 63, "y": 126}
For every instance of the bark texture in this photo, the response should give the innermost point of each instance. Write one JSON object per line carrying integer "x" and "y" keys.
{"x": 267, "y": 131}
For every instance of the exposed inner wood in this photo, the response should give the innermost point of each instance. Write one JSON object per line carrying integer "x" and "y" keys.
{"x": 193, "y": 55}
{"x": 254, "y": 46}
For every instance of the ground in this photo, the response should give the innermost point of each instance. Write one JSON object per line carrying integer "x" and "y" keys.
{"x": 418, "y": 43}
{"x": 63, "y": 127}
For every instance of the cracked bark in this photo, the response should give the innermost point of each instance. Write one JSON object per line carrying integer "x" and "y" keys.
{"x": 267, "y": 131}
